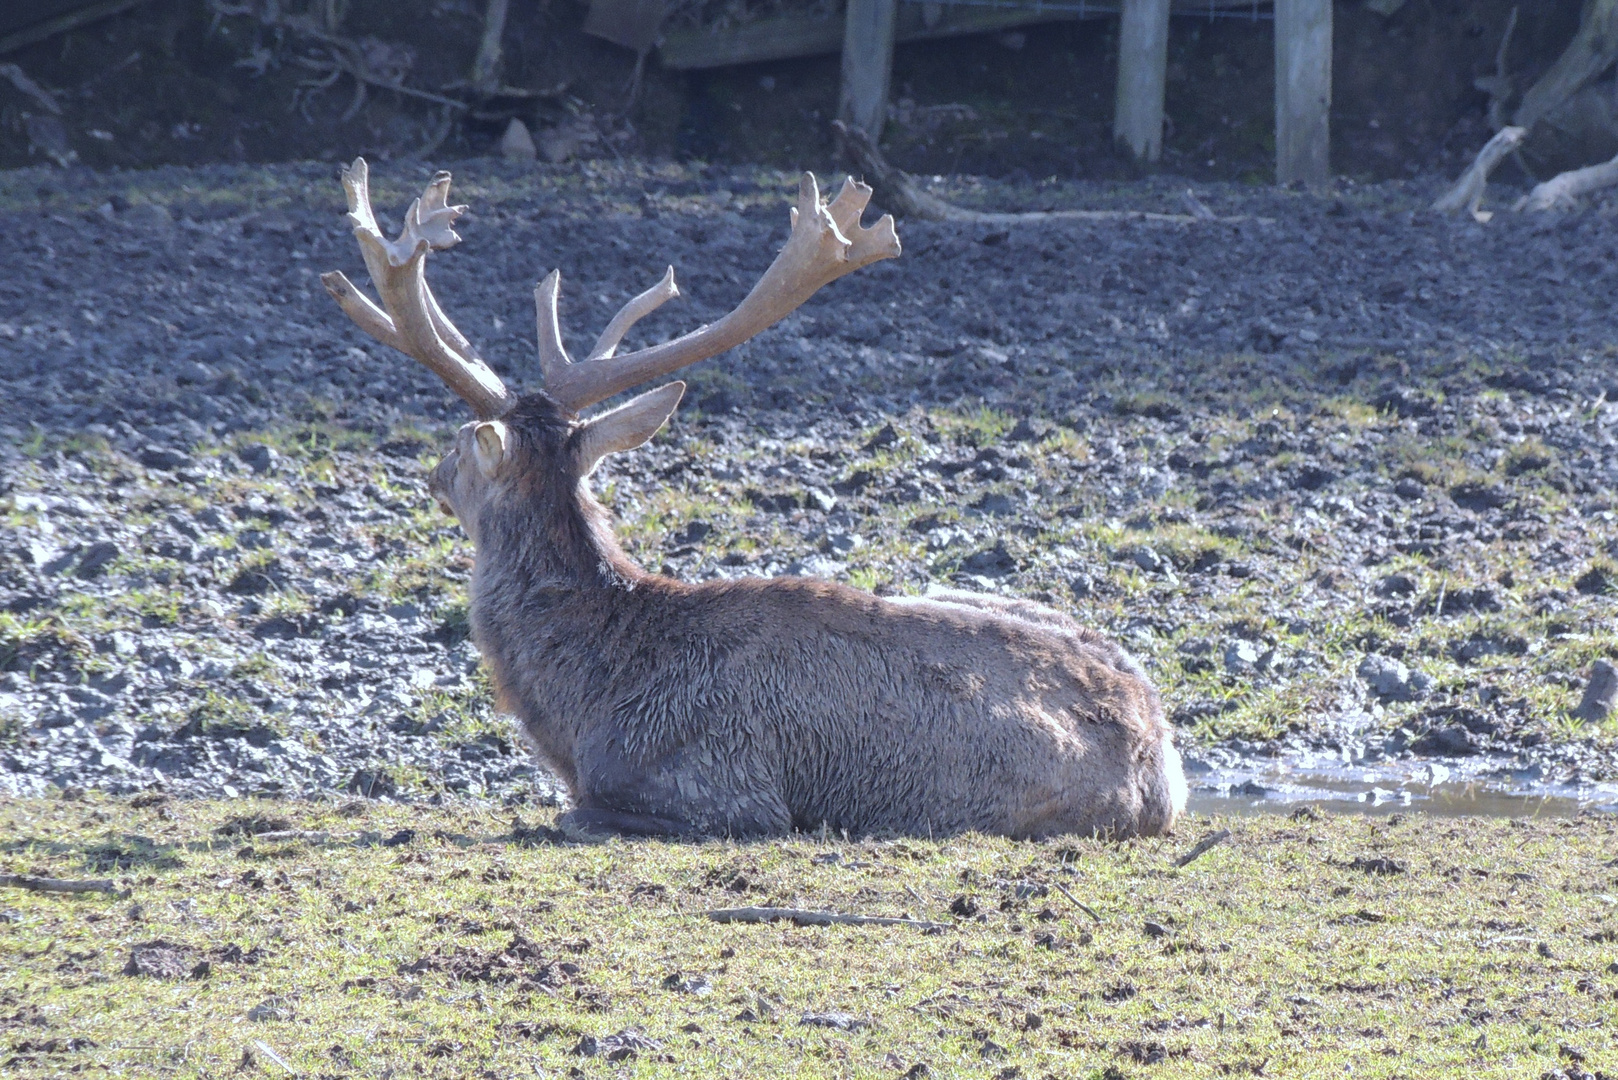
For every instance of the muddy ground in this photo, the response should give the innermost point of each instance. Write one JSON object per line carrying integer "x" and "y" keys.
{"x": 1341, "y": 472}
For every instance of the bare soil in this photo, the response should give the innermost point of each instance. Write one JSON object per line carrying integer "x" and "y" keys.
{"x": 1341, "y": 472}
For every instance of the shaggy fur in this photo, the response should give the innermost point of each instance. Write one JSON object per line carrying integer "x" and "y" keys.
{"x": 754, "y": 707}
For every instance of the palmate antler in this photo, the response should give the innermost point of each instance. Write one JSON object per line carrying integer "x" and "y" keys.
{"x": 827, "y": 241}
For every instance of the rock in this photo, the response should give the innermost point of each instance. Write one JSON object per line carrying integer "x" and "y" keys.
{"x": 995, "y": 504}
{"x": 1600, "y": 580}
{"x": 1396, "y": 585}
{"x": 1029, "y": 430}
{"x": 1479, "y": 496}
{"x": 95, "y": 559}
{"x": 1390, "y": 680}
{"x": 260, "y": 458}
{"x": 1452, "y": 740}
{"x": 1410, "y": 488}
{"x": 1600, "y": 693}
{"x": 165, "y": 458}
{"x": 516, "y": 144}
{"x": 990, "y": 562}
{"x": 837, "y": 1021}
{"x": 271, "y": 1008}
{"x": 1243, "y": 658}
{"x": 820, "y": 499}
{"x": 1083, "y": 585}
{"x": 1146, "y": 558}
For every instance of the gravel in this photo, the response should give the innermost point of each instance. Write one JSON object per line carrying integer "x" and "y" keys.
{"x": 1342, "y": 473}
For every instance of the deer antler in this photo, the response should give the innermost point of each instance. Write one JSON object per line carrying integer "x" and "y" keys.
{"x": 827, "y": 242}
{"x": 413, "y": 322}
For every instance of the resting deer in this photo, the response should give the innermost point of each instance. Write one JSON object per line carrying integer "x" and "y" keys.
{"x": 746, "y": 707}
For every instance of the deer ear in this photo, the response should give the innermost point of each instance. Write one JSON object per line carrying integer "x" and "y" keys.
{"x": 627, "y": 426}
{"x": 489, "y": 441}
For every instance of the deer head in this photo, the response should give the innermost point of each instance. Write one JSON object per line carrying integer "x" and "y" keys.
{"x": 826, "y": 242}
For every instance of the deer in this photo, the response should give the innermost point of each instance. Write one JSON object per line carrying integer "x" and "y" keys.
{"x": 746, "y": 707}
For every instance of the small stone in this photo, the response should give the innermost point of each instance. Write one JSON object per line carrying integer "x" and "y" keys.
{"x": 517, "y": 144}
{"x": 1600, "y": 693}
{"x": 1146, "y": 558}
{"x": 165, "y": 458}
{"x": 1390, "y": 680}
{"x": 1242, "y": 658}
{"x": 820, "y": 499}
{"x": 260, "y": 458}
{"x": 837, "y": 1021}
{"x": 95, "y": 559}
{"x": 1409, "y": 488}
{"x": 1083, "y": 585}
{"x": 995, "y": 504}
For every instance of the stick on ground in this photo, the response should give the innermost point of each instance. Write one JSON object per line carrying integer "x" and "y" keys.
{"x": 1564, "y": 190}
{"x": 60, "y": 885}
{"x": 804, "y": 917}
{"x": 1076, "y": 902}
{"x": 1202, "y": 847}
{"x": 899, "y": 193}
{"x": 1467, "y": 192}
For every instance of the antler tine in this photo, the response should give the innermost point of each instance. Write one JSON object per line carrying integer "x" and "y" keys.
{"x": 632, "y": 313}
{"x": 826, "y": 243}
{"x": 553, "y": 358}
{"x": 412, "y": 321}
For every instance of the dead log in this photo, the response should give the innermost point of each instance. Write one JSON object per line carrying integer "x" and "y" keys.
{"x": 1564, "y": 190}
{"x": 1593, "y": 50}
{"x": 898, "y": 193}
{"x": 1467, "y": 192}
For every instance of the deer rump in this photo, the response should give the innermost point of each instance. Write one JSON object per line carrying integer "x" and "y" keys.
{"x": 757, "y": 706}
{"x": 752, "y": 707}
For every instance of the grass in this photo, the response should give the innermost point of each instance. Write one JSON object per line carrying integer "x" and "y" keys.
{"x": 454, "y": 942}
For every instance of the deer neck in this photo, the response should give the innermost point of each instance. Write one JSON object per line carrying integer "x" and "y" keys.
{"x": 554, "y": 542}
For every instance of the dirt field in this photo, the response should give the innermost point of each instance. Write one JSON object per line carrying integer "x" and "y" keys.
{"x": 1342, "y": 473}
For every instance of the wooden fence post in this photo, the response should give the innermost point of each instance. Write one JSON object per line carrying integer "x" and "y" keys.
{"x": 1143, "y": 53}
{"x": 1303, "y": 91}
{"x": 867, "y": 63}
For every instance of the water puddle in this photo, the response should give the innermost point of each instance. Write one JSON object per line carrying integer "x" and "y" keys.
{"x": 1490, "y": 787}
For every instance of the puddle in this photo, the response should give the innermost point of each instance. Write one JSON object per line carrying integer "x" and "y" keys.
{"x": 1490, "y": 787}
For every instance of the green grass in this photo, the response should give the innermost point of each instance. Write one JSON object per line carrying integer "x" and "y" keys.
{"x": 473, "y": 949}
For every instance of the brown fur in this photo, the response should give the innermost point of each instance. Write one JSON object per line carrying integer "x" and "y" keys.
{"x": 754, "y": 707}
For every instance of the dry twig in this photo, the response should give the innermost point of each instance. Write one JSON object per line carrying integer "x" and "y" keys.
{"x": 61, "y": 885}
{"x": 1202, "y": 847}
{"x": 804, "y": 917}
{"x": 1467, "y": 192}
{"x": 1076, "y": 902}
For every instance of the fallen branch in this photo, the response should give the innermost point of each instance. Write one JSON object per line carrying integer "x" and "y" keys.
{"x": 1591, "y": 52}
{"x": 899, "y": 193}
{"x": 1563, "y": 191}
{"x": 1202, "y": 847}
{"x": 1076, "y": 902}
{"x": 61, "y": 885}
{"x": 25, "y": 85}
{"x": 803, "y": 917}
{"x": 1467, "y": 192}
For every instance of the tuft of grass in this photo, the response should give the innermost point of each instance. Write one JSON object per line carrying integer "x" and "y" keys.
{"x": 456, "y": 942}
